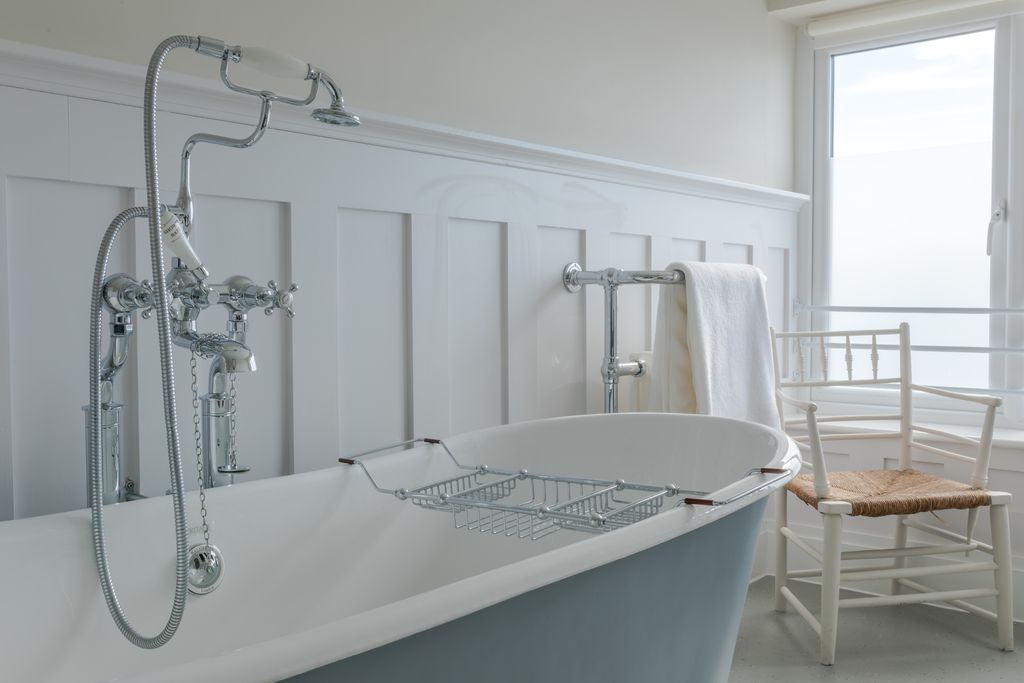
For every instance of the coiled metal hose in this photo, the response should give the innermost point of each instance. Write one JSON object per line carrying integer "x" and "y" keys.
{"x": 166, "y": 373}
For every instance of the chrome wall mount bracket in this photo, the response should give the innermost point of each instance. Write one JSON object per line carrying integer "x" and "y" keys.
{"x": 569, "y": 275}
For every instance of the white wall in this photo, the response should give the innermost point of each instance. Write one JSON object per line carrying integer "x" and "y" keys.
{"x": 704, "y": 86}
{"x": 429, "y": 264}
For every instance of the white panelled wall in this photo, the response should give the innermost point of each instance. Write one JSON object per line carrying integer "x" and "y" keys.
{"x": 429, "y": 265}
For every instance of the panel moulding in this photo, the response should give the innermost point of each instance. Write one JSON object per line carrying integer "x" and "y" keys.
{"x": 47, "y": 70}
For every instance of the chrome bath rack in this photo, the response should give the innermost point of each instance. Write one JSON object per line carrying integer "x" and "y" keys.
{"x": 522, "y": 504}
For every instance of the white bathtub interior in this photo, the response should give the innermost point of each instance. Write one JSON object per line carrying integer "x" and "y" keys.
{"x": 307, "y": 550}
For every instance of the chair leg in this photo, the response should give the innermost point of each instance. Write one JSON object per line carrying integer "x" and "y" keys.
{"x": 781, "y": 548}
{"x": 899, "y": 562}
{"x": 833, "y": 526}
{"x": 1000, "y": 516}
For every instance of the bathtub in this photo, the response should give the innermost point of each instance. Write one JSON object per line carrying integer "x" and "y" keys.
{"x": 328, "y": 580}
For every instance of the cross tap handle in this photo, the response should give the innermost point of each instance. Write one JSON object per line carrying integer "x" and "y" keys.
{"x": 281, "y": 299}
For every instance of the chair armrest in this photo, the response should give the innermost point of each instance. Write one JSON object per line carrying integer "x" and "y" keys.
{"x": 983, "y": 399}
{"x": 806, "y": 406}
{"x": 821, "y": 485}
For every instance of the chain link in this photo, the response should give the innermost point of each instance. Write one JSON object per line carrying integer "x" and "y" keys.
{"x": 233, "y": 394}
{"x": 199, "y": 443}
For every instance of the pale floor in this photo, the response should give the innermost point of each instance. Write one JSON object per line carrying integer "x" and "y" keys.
{"x": 877, "y": 645}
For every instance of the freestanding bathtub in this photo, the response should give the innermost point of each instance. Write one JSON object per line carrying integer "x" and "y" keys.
{"x": 328, "y": 580}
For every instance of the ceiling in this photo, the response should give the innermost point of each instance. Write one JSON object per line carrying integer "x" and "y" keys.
{"x": 801, "y": 11}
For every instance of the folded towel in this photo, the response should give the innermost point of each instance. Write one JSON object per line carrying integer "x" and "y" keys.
{"x": 712, "y": 345}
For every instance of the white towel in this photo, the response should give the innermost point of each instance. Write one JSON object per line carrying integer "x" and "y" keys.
{"x": 712, "y": 345}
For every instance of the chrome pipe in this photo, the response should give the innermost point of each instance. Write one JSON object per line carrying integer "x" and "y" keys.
{"x": 112, "y": 489}
{"x": 121, "y": 329}
{"x": 574, "y": 278}
{"x": 186, "y": 207}
{"x": 610, "y": 366}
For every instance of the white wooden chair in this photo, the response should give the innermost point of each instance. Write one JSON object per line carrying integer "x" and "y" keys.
{"x": 899, "y": 493}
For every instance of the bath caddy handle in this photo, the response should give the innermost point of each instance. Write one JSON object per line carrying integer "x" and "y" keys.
{"x": 781, "y": 471}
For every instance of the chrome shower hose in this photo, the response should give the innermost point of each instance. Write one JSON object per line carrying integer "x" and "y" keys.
{"x": 152, "y": 210}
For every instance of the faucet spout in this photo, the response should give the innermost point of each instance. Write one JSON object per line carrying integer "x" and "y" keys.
{"x": 230, "y": 355}
{"x": 230, "y": 360}
{"x": 219, "y": 440}
{"x": 236, "y": 357}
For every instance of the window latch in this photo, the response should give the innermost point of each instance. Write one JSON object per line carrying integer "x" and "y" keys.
{"x": 998, "y": 216}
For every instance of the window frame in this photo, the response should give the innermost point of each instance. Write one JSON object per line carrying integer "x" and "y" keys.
{"x": 1006, "y": 283}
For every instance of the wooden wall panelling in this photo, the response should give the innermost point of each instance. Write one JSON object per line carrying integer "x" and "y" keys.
{"x": 374, "y": 328}
{"x": 560, "y": 325}
{"x": 6, "y": 435}
{"x": 51, "y": 243}
{"x": 523, "y": 268}
{"x": 431, "y": 388}
{"x": 317, "y": 365}
{"x": 430, "y": 298}
{"x": 477, "y": 301}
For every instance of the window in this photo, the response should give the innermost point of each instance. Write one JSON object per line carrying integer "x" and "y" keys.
{"x": 912, "y": 163}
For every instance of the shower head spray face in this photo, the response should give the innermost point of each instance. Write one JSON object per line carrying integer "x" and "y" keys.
{"x": 335, "y": 115}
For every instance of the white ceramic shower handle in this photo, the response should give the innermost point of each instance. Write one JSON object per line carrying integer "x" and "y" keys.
{"x": 177, "y": 241}
{"x": 274, "y": 63}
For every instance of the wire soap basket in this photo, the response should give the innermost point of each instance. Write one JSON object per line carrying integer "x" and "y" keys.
{"x": 523, "y": 504}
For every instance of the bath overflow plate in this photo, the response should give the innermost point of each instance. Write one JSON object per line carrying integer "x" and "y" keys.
{"x": 205, "y": 568}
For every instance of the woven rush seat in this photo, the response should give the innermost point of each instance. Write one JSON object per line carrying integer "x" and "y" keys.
{"x": 877, "y": 493}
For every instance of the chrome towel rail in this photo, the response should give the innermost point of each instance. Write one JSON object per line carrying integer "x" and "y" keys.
{"x": 574, "y": 277}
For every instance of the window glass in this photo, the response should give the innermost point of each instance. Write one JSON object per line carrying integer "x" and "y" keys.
{"x": 911, "y": 155}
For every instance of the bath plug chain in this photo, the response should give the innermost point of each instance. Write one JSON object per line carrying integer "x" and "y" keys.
{"x": 199, "y": 444}
{"x": 233, "y": 394}
{"x": 205, "y": 562}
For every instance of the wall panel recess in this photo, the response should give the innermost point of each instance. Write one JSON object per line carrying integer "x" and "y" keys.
{"x": 561, "y": 324}
{"x": 53, "y": 231}
{"x": 477, "y": 324}
{"x": 373, "y": 335}
{"x": 736, "y": 253}
{"x": 687, "y": 250}
{"x": 777, "y": 269}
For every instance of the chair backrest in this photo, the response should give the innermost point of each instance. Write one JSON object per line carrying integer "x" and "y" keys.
{"x": 812, "y": 356}
{"x": 809, "y": 355}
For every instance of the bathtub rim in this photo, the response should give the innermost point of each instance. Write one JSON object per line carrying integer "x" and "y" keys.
{"x": 299, "y": 652}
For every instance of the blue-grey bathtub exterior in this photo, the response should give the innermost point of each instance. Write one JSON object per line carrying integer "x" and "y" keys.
{"x": 668, "y": 614}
